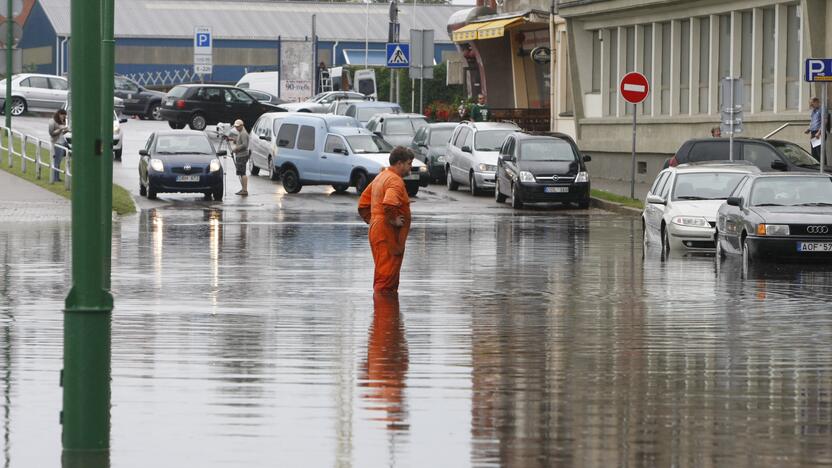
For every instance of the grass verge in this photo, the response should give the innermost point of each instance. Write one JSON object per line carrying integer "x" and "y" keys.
{"x": 626, "y": 201}
{"x": 122, "y": 200}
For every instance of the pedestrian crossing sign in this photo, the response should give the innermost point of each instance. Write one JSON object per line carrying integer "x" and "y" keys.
{"x": 398, "y": 55}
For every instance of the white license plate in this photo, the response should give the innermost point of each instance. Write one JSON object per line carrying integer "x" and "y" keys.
{"x": 814, "y": 246}
{"x": 187, "y": 178}
{"x": 556, "y": 190}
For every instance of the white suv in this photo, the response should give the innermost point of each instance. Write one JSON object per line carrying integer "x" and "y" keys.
{"x": 471, "y": 157}
{"x": 682, "y": 204}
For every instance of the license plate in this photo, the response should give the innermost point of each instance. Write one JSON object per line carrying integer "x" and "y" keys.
{"x": 187, "y": 178}
{"x": 814, "y": 246}
{"x": 556, "y": 190}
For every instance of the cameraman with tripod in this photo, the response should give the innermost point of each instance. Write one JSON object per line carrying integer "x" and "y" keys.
{"x": 239, "y": 148}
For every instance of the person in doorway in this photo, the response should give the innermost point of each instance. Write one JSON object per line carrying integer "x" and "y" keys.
{"x": 814, "y": 130}
{"x": 716, "y": 132}
{"x": 385, "y": 206}
{"x": 57, "y": 133}
{"x": 479, "y": 111}
{"x": 241, "y": 154}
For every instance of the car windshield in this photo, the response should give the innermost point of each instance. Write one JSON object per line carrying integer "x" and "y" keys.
{"x": 342, "y": 121}
{"x": 318, "y": 97}
{"x": 706, "y": 185}
{"x": 183, "y": 144}
{"x": 547, "y": 150}
{"x": 792, "y": 191}
{"x": 403, "y": 126}
{"x": 367, "y": 113}
{"x": 368, "y": 144}
{"x": 491, "y": 140}
{"x": 797, "y": 155}
{"x": 440, "y": 136}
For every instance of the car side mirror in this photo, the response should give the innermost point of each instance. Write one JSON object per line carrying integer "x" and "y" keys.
{"x": 587, "y": 158}
{"x": 466, "y": 149}
{"x": 779, "y": 166}
{"x": 655, "y": 200}
{"x": 734, "y": 201}
{"x": 122, "y": 120}
{"x": 378, "y": 134}
{"x": 143, "y": 152}
{"x": 508, "y": 158}
{"x": 283, "y": 143}
{"x": 340, "y": 150}
{"x": 422, "y": 145}
{"x": 265, "y": 138}
{"x": 222, "y": 153}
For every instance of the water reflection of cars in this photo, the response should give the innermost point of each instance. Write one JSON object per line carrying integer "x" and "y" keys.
{"x": 778, "y": 216}
{"x": 182, "y": 161}
{"x": 541, "y": 168}
{"x": 430, "y": 143}
{"x": 681, "y": 206}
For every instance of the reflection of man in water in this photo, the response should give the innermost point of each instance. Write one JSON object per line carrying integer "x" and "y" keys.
{"x": 387, "y": 361}
{"x": 385, "y": 206}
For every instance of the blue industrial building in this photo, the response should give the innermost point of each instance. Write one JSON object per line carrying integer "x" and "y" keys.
{"x": 154, "y": 38}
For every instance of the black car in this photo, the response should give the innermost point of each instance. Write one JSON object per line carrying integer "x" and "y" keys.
{"x": 768, "y": 155}
{"x": 201, "y": 105}
{"x": 777, "y": 216}
{"x": 541, "y": 168}
{"x": 184, "y": 162}
{"x": 429, "y": 145}
{"x": 268, "y": 98}
{"x": 137, "y": 99}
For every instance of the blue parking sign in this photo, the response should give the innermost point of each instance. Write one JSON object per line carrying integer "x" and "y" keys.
{"x": 398, "y": 55}
{"x": 818, "y": 69}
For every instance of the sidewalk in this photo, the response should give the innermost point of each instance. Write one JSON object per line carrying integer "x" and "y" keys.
{"x": 23, "y": 201}
{"x": 620, "y": 187}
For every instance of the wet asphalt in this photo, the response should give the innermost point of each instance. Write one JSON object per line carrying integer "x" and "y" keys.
{"x": 246, "y": 334}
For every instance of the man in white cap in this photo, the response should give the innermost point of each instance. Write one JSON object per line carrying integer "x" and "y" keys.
{"x": 241, "y": 154}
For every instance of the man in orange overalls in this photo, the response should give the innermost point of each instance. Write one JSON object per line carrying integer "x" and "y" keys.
{"x": 385, "y": 206}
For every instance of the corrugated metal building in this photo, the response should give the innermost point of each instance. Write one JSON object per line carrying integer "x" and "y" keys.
{"x": 154, "y": 38}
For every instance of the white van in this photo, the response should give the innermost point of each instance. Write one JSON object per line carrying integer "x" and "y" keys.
{"x": 268, "y": 82}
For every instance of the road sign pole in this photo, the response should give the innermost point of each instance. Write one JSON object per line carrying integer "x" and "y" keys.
{"x": 731, "y": 134}
{"x": 9, "y": 63}
{"x": 633, "y": 162}
{"x": 823, "y": 108}
{"x": 634, "y": 88}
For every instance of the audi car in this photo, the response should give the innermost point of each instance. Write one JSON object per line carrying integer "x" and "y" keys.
{"x": 181, "y": 161}
{"x": 786, "y": 216}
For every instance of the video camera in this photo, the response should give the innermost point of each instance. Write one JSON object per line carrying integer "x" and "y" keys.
{"x": 226, "y": 131}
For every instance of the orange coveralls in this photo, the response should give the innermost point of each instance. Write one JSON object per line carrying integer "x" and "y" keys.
{"x": 386, "y": 198}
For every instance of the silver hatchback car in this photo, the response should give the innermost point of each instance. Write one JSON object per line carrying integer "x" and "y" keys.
{"x": 36, "y": 92}
{"x": 471, "y": 157}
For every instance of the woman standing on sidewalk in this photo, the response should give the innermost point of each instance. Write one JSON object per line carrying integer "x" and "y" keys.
{"x": 57, "y": 132}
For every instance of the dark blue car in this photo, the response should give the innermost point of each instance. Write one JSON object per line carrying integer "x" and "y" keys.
{"x": 180, "y": 161}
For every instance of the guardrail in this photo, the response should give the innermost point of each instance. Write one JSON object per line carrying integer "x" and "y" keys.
{"x": 16, "y": 145}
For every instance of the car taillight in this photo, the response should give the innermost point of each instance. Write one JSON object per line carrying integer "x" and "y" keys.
{"x": 180, "y": 104}
{"x": 673, "y": 162}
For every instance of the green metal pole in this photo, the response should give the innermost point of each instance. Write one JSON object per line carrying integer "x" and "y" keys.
{"x": 107, "y": 86}
{"x": 9, "y": 63}
{"x": 86, "y": 374}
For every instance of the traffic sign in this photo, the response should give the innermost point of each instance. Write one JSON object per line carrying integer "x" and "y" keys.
{"x": 203, "y": 69}
{"x": 818, "y": 69}
{"x": 398, "y": 55}
{"x": 203, "y": 41}
{"x": 634, "y": 87}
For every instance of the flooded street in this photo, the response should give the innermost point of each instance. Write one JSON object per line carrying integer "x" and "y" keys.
{"x": 251, "y": 338}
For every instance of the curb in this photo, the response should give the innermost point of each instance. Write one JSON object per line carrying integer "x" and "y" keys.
{"x": 614, "y": 207}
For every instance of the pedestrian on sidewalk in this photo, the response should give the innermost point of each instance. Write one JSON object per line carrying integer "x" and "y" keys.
{"x": 57, "y": 133}
{"x": 385, "y": 206}
{"x": 241, "y": 154}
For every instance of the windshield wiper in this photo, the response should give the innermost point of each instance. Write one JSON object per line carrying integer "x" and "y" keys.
{"x": 692, "y": 197}
{"x": 814, "y": 204}
{"x": 165, "y": 152}
{"x": 769, "y": 204}
{"x": 808, "y": 165}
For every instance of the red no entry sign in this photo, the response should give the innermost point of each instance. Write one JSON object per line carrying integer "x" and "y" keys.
{"x": 634, "y": 87}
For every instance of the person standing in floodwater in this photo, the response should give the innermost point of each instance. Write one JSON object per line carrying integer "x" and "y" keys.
{"x": 385, "y": 206}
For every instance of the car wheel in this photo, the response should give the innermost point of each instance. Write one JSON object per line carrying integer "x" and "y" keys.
{"x": 412, "y": 190}
{"x": 665, "y": 241}
{"x": 155, "y": 111}
{"x": 645, "y": 240}
{"x": 151, "y": 194}
{"x": 198, "y": 122}
{"x": 291, "y": 180}
{"x": 117, "y": 154}
{"x": 516, "y": 201}
{"x": 142, "y": 189}
{"x": 252, "y": 169}
{"x": 720, "y": 253}
{"x": 273, "y": 174}
{"x": 19, "y": 106}
{"x": 584, "y": 204}
{"x": 498, "y": 195}
{"x": 218, "y": 193}
{"x": 472, "y": 185}
{"x": 360, "y": 181}
{"x": 449, "y": 181}
{"x": 341, "y": 188}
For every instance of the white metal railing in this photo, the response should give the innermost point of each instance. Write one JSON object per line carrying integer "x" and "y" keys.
{"x": 14, "y": 144}
{"x": 779, "y": 129}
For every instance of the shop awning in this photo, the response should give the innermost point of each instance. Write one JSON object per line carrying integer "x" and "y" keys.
{"x": 485, "y": 30}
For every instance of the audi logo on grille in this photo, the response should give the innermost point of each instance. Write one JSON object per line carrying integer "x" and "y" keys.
{"x": 817, "y": 229}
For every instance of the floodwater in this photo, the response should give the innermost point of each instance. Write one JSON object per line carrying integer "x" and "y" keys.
{"x": 250, "y": 338}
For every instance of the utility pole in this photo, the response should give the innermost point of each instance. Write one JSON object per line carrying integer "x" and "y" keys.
{"x": 87, "y": 317}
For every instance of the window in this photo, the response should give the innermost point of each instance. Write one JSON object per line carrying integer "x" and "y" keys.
{"x": 350, "y": 112}
{"x": 286, "y": 136}
{"x": 768, "y": 59}
{"x": 469, "y": 140}
{"x": 792, "y": 57}
{"x": 440, "y": 136}
{"x": 613, "y": 82}
{"x": 36, "y": 82}
{"x": 306, "y": 138}
{"x": 399, "y": 127}
{"x": 460, "y": 137}
{"x": 420, "y": 136}
{"x": 664, "y": 191}
{"x": 209, "y": 94}
{"x": 665, "y": 84}
{"x": 684, "y": 68}
{"x": 759, "y": 155}
{"x": 123, "y": 84}
{"x": 647, "y": 69}
{"x": 547, "y": 150}
{"x": 724, "y": 65}
{"x": 238, "y": 97}
{"x": 490, "y": 140}
{"x": 596, "y": 61}
{"x": 709, "y": 151}
{"x": 629, "y": 59}
{"x": 739, "y": 187}
{"x": 60, "y": 84}
{"x": 704, "y": 62}
{"x": 655, "y": 188}
{"x": 706, "y": 185}
{"x": 332, "y": 142}
{"x": 257, "y": 129}
{"x": 746, "y": 48}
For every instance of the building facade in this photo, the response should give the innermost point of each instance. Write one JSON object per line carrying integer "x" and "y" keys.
{"x": 685, "y": 48}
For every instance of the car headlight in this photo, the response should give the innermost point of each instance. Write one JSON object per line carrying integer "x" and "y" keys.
{"x": 582, "y": 176}
{"x": 526, "y": 176}
{"x": 215, "y": 165}
{"x": 115, "y": 128}
{"x": 157, "y": 165}
{"x": 690, "y": 221}
{"x": 423, "y": 168}
{"x": 487, "y": 168}
{"x": 772, "y": 230}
